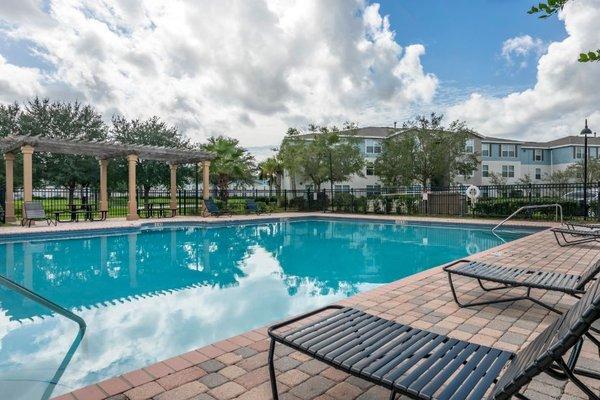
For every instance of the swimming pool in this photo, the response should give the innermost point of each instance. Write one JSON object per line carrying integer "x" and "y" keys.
{"x": 150, "y": 294}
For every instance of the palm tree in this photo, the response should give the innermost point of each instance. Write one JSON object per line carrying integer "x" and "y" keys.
{"x": 232, "y": 164}
{"x": 271, "y": 169}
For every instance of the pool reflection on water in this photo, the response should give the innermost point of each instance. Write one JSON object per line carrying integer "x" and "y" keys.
{"x": 151, "y": 295}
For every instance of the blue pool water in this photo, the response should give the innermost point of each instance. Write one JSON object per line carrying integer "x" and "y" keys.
{"x": 151, "y": 294}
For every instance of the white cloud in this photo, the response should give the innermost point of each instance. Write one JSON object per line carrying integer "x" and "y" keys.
{"x": 520, "y": 47}
{"x": 565, "y": 93}
{"x": 17, "y": 83}
{"x": 243, "y": 68}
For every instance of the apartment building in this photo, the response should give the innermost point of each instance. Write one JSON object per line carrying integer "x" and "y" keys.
{"x": 513, "y": 160}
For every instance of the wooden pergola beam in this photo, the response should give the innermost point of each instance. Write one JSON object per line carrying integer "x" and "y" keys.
{"x": 103, "y": 150}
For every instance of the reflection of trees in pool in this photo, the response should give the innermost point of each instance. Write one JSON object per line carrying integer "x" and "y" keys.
{"x": 94, "y": 271}
{"x": 371, "y": 254}
{"x": 315, "y": 257}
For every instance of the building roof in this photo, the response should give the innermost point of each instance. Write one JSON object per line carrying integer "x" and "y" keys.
{"x": 103, "y": 149}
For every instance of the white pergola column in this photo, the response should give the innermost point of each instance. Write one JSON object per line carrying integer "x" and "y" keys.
{"x": 9, "y": 206}
{"x": 205, "y": 179}
{"x": 103, "y": 185}
{"x": 132, "y": 214}
{"x": 173, "y": 188}
{"x": 27, "y": 151}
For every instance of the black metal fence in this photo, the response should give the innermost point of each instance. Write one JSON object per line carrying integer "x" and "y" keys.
{"x": 493, "y": 201}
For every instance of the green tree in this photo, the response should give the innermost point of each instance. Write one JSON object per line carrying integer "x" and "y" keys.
{"x": 149, "y": 132}
{"x": 551, "y": 7}
{"x": 329, "y": 156}
{"x": 575, "y": 171}
{"x": 291, "y": 154}
{"x": 426, "y": 152}
{"x": 232, "y": 164}
{"x": 41, "y": 117}
{"x": 271, "y": 169}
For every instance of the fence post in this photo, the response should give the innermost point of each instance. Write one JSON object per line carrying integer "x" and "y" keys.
{"x": 598, "y": 202}
{"x": 324, "y": 200}
{"x": 352, "y": 200}
{"x": 285, "y": 199}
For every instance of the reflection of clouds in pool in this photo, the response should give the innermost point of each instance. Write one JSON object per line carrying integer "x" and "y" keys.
{"x": 140, "y": 331}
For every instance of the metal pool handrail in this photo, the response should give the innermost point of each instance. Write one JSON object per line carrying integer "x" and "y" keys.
{"x": 59, "y": 310}
{"x": 43, "y": 301}
{"x": 557, "y": 206}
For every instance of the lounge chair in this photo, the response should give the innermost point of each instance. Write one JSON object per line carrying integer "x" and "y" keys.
{"x": 577, "y": 225}
{"x": 509, "y": 278}
{"x": 211, "y": 208}
{"x": 426, "y": 365}
{"x": 570, "y": 237}
{"x": 252, "y": 207}
{"x": 34, "y": 211}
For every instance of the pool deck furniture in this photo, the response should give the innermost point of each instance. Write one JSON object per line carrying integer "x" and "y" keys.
{"x": 426, "y": 365}
{"x": 74, "y": 211}
{"x": 159, "y": 210}
{"x": 252, "y": 207}
{"x": 578, "y": 225}
{"x": 508, "y": 278}
{"x": 571, "y": 237}
{"x": 211, "y": 208}
{"x": 34, "y": 211}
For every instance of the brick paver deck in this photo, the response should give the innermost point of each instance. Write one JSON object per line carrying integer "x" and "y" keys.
{"x": 236, "y": 368}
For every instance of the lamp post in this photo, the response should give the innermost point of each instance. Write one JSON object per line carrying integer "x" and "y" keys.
{"x": 585, "y": 132}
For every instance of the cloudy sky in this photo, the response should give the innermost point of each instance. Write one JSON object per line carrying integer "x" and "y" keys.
{"x": 251, "y": 68}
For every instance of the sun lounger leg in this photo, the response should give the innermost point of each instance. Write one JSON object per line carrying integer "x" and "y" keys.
{"x": 393, "y": 395}
{"x": 493, "y": 288}
{"x": 272, "y": 370}
{"x": 577, "y": 382}
{"x": 497, "y": 301}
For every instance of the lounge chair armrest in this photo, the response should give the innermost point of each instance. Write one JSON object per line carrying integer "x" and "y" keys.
{"x": 448, "y": 267}
{"x": 301, "y": 317}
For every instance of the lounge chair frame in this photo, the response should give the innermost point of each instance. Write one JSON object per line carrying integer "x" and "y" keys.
{"x": 571, "y": 237}
{"x": 211, "y": 208}
{"x": 509, "y": 278}
{"x": 34, "y": 211}
{"x": 421, "y": 364}
{"x": 252, "y": 207}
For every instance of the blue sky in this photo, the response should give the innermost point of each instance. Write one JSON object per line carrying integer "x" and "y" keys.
{"x": 464, "y": 39}
{"x": 251, "y": 69}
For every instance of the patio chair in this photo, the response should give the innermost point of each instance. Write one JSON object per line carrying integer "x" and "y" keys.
{"x": 211, "y": 208}
{"x": 573, "y": 236}
{"x": 577, "y": 225}
{"x": 252, "y": 207}
{"x": 508, "y": 278}
{"x": 426, "y": 365}
{"x": 34, "y": 211}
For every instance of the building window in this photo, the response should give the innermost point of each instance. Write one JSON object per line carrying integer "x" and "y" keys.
{"x": 508, "y": 171}
{"x": 538, "y": 155}
{"x": 593, "y": 151}
{"x": 538, "y": 173}
{"x": 342, "y": 188}
{"x": 373, "y": 189}
{"x": 485, "y": 170}
{"x": 372, "y": 146}
{"x": 470, "y": 146}
{"x": 370, "y": 170}
{"x": 486, "y": 149}
{"x": 508, "y": 150}
{"x": 578, "y": 153}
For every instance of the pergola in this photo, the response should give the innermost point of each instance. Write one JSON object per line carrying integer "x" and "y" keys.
{"x": 103, "y": 151}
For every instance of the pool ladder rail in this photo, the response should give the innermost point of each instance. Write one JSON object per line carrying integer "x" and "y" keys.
{"x": 556, "y": 206}
{"x": 61, "y": 311}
